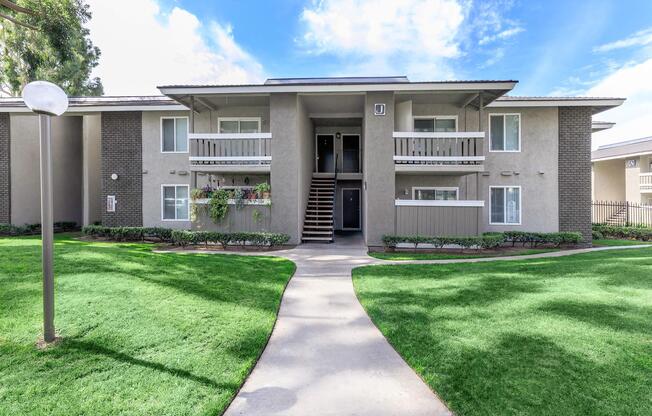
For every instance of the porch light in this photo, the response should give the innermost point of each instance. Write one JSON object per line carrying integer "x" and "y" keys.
{"x": 46, "y": 100}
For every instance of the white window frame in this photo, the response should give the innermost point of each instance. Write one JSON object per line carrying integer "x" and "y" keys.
{"x": 520, "y": 205}
{"x": 504, "y": 131}
{"x": 435, "y": 188}
{"x": 435, "y": 118}
{"x": 176, "y": 185}
{"x": 175, "y": 134}
{"x": 239, "y": 119}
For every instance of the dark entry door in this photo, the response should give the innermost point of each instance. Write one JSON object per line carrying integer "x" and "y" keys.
{"x": 350, "y": 209}
{"x": 350, "y": 153}
{"x": 325, "y": 153}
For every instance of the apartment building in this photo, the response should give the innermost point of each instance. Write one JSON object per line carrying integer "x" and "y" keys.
{"x": 378, "y": 156}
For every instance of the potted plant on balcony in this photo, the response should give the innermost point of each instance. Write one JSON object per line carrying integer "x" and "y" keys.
{"x": 263, "y": 190}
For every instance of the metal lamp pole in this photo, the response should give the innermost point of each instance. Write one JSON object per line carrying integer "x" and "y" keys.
{"x": 46, "y": 99}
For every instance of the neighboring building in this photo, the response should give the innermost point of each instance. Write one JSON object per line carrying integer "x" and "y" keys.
{"x": 623, "y": 172}
{"x": 378, "y": 155}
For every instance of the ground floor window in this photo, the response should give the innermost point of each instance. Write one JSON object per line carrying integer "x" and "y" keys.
{"x": 434, "y": 194}
{"x": 175, "y": 202}
{"x": 505, "y": 205}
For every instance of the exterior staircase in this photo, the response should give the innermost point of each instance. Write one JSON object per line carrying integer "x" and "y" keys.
{"x": 318, "y": 223}
{"x": 618, "y": 218}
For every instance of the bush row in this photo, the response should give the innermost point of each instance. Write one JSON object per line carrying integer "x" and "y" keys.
{"x": 536, "y": 239}
{"x": 614, "y": 231}
{"x": 184, "y": 238}
{"x": 29, "y": 229}
{"x": 487, "y": 240}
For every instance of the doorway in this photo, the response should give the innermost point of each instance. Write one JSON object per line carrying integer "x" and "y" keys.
{"x": 351, "y": 209}
{"x": 351, "y": 153}
{"x": 325, "y": 153}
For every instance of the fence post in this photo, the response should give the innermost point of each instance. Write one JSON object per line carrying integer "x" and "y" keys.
{"x": 626, "y": 213}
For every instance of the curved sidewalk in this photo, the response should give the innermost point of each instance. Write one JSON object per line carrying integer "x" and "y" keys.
{"x": 325, "y": 356}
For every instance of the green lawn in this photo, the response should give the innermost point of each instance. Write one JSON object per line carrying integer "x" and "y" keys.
{"x": 562, "y": 336}
{"x": 406, "y": 255}
{"x": 613, "y": 242}
{"x": 143, "y": 333}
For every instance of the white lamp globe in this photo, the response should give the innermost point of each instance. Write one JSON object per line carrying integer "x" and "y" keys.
{"x": 44, "y": 97}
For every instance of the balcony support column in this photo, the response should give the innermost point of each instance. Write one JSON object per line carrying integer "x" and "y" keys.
{"x": 191, "y": 129}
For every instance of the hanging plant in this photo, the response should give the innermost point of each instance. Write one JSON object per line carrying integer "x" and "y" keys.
{"x": 218, "y": 205}
{"x": 257, "y": 216}
{"x": 239, "y": 196}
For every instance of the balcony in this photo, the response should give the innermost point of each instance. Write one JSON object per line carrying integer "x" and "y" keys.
{"x": 231, "y": 152}
{"x": 645, "y": 183}
{"x": 454, "y": 152}
{"x": 442, "y": 218}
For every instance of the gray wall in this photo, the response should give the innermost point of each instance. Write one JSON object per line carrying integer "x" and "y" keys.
{"x": 5, "y": 170}
{"x": 539, "y": 153}
{"x": 575, "y": 170}
{"x": 439, "y": 221}
{"x": 66, "y": 169}
{"x": 378, "y": 169}
{"x": 306, "y": 149}
{"x": 122, "y": 154}
{"x": 236, "y": 220}
{"x": 465, "y": 183}
{"x": 91, "y": 167}
{"x": 163, "y": 168}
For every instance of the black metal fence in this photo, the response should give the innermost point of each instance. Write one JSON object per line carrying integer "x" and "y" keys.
{"x": 621, "y": 213}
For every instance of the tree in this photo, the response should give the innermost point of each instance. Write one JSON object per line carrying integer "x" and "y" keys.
{"x": 47, "y": 40}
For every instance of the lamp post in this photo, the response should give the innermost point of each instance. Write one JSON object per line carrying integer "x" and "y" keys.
{"x": 46, "y": 100}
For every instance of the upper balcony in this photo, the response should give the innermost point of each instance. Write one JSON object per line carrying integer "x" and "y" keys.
{"x": 645, "y": 182}
{"x": 231, "y": 152}
{"x": 439, "y": 152}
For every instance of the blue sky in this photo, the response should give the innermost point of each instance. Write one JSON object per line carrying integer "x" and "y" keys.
{"x": 596, "y": 47}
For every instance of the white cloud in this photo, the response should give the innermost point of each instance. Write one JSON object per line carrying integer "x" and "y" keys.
{"x": 640, "y": 38}
{"x": 505, "y": 34}
{"x": 632, "y": 118}
{"x": 142, "y": 47}
{"x": 377, "y": 36}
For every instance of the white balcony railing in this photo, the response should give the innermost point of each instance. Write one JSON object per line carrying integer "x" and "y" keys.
{"x": 230, "y": 149}
{"x": 646, "y": 182}
{"x": 454, "y": 148}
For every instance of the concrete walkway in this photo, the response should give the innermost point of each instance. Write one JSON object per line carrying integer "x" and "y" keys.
{"x": 325, "y": 356}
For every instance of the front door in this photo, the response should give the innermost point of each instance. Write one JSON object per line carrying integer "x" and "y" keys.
{"x": 350, "y": 153}
{"x": 325, "y": 153}
{"x": 350, "y": 208}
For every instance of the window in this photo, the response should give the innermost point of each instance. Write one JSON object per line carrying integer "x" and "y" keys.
{"x": 239, "y": 125}
{"x": 505, "y": 205}
{"x": 174, "y": 134}
{"x": 505, "y": 132}
{"x": 434, "y": 194}
{"x": 435, "y": 124}
{"x": 175, "y": 202}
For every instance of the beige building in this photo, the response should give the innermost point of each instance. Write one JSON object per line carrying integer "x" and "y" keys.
{"x": 623, "y": 172}
{"x": 371, "y": 155}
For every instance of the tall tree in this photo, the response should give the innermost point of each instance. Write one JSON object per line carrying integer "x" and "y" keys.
{"x": 47, "y": 40}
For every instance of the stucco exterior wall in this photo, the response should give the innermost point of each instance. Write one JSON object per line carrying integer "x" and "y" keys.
{"x": 609, "y": 180}
{"x": 162, "y": 168}
{"x": 285, "y": 167}
{"x": 632, "y": 182}
{"x": 534, "y": 169}
{"x": 66, "y": 169}
{"x": 306, "y": 144}
{"x": 378, "y": 169}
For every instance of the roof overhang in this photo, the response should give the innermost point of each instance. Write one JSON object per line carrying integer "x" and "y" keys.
{"x": 598, "y": 104}
{"x": 81, "y": 105}
{"x": 597, "y": 126}
{"x": 623, "y": 150}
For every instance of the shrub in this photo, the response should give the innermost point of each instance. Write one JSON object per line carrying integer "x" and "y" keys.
{"x": 159, "y": 233}
{"x": 484, "y": 241}
{"x": 631, "y": 233}
{"x": 182, "y": 237}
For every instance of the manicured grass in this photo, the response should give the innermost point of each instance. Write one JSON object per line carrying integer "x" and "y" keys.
{"x": 405, "y": 255}
{"x": 558, "y": 336}
{"x": 611, "y": 242}
{"x": 143, "y": 333}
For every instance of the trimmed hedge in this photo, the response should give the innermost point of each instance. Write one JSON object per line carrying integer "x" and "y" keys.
{"x": 185, "y": 238}
{"x": 487, "y": 240}
{"x": 618, "y": 232}
{"x": 31, "y": 229}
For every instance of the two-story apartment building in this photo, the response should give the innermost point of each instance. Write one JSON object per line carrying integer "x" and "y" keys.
{"x": 374, "y": 155}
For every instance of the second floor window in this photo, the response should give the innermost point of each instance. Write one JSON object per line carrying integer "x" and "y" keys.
{"x": 505, "y": 132}
{"x": 239, "y": 125}
{"x": 434, "y": 194}
{"x": 174, "y": 134}
{"x": 435, "y": 124}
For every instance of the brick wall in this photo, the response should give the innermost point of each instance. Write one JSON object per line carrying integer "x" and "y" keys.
{"x": 575, "y": 170}
{"x": 122, "y": 154}
{"x": 5, "y": 170}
